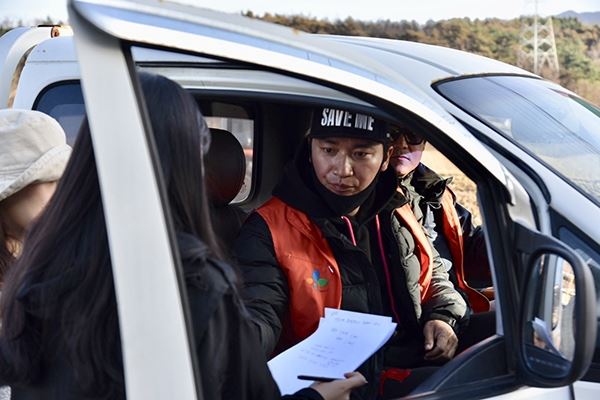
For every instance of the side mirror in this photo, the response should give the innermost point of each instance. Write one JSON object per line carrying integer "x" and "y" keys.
{"x": 558, "y": 323}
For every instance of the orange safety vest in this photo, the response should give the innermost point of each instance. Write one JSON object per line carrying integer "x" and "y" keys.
{"x": 454, "y": 236}
{"x": 312, "y": 271}
{"x": 307, "y": 261}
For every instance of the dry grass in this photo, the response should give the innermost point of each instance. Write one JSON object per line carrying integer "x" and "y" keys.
{"x": 464, "y": 188}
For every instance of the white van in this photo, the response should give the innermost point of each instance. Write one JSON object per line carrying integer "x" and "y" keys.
{"x": 540, "y": 209}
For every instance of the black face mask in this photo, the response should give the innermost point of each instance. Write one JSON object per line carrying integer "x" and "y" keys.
{"x": 342, "y": 205}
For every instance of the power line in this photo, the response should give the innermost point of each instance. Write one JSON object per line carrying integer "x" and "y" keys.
{"x": 537, "y": 50}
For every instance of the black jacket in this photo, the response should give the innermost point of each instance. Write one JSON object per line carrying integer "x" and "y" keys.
{"x": 231, "y": 364}
{"x": 430, "y": 188}
{"x": 266, "y": 287}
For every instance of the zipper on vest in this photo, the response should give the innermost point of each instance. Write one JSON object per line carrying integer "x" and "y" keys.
{"x": 386, "y": 270}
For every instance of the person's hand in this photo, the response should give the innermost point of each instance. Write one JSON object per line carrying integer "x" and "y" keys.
{"x": 440, "y": 341}
{"x": 340, "y": 389}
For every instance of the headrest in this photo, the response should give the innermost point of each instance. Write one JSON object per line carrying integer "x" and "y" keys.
{"x": 225, "y": 165}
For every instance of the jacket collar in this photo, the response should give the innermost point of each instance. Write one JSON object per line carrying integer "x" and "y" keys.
{"x": 428, "y": 183}
{"x": 296, "y": 189}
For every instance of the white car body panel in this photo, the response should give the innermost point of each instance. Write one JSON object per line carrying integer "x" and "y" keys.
{"x": 53, "y": 61}
{"x": 16, "y": 45}
{"x": 586, "y": 390}
{"x": 50, "y": 62}
{"x": 536, "y": 394}
{"x": 133, "y": 208}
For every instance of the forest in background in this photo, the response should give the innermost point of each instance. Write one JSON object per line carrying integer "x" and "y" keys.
{"x": 577, "y": 44}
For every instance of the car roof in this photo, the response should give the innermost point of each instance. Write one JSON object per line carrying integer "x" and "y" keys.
{"x": 416, "y": 65}
{"x": 449, "y": 62}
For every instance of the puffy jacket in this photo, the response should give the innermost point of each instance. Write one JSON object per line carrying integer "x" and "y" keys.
{"x": 443, "y": 303}
{"x": 266, "y": 286}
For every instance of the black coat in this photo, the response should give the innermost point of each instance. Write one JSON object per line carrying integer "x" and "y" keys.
{"x": 231, "y": 364}
{"x": 430, "y": 187}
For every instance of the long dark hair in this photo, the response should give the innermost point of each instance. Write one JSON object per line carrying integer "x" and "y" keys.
{"x": 60, "y": 291}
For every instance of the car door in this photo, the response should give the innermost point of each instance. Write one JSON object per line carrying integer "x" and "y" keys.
{"x": 153, "y": 315}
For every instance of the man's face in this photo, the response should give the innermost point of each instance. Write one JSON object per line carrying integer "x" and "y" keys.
{"x": 347, "y": 166}
{"x": 406, "y": 155}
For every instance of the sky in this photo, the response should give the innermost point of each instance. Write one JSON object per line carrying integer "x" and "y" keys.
{"x": 418, "y": 10}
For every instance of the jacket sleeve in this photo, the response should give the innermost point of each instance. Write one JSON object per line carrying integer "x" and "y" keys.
{"x": 446, "y": 303}
{"x": 231, "y": 364}
{"x": 265, "y": 288}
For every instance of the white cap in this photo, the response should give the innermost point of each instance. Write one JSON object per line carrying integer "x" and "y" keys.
{"x": 33, "y": 148}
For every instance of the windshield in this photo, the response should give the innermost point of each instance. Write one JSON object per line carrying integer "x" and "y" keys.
{"x": 553, "y": 125}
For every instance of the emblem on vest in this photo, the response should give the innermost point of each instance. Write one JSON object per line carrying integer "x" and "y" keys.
{"x": 316, "y": 281}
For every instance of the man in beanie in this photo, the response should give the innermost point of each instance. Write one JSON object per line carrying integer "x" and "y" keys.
{"x": 33, "y": 156}
{"x": 318, "y": 243}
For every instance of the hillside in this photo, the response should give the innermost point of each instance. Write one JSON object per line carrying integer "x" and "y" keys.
{"x": 591, "y": 18}
{"x": 578, "y": 45}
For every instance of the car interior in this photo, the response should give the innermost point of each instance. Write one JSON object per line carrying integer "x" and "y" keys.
{"x": 279, "y": 124}
{"x": 279, "y": 127}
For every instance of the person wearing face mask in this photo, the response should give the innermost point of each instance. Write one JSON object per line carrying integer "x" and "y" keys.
{"x": 320, "y": 242}
{"x": 449, "y": 226}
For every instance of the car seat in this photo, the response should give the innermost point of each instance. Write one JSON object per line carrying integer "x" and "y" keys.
{"x": 225, "y": 169}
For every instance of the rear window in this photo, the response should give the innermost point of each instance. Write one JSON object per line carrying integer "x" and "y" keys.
{"x": 64, "y": 102}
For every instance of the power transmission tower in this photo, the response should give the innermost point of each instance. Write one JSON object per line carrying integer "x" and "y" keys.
{"x": 537, "y": 51}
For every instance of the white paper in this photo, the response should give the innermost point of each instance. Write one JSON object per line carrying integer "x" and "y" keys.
{"x": 341, "y": 343}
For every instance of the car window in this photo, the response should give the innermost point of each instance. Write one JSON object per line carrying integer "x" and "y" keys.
{"x": 461, "y": 185}
{"x": 63, "y": 102}
{"x": 553, "y": 125}
{"x": 476, "y": 262}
